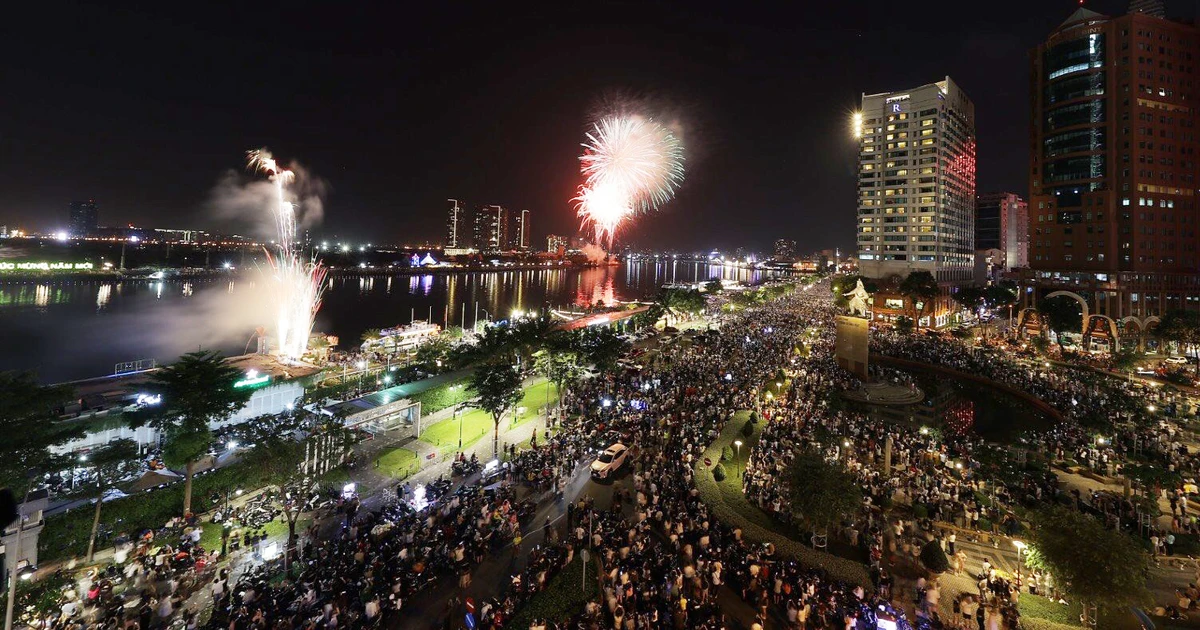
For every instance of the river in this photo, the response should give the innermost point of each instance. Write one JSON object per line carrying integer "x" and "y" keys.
{"x": 73, "y": 329}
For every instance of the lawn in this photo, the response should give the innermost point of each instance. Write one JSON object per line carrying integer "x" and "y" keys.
{"x": 477, "y": 423}
{"x": 398, "y": 463}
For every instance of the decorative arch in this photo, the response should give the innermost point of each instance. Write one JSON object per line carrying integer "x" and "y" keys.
{"x": 1082, "y": 302}
{"x": 1104, "y": 324}
{"x": 1130, "y": 319}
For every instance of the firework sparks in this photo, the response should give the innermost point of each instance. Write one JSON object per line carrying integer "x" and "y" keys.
{"x": 298, "y": 282}
{"x": 631, "y": 165}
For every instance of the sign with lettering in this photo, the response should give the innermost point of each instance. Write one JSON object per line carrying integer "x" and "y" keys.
{"x": 45, "y": 266}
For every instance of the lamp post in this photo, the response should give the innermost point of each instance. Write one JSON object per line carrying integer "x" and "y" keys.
{"x": 738, "y": 444}
{"x": 1020, "y": 555}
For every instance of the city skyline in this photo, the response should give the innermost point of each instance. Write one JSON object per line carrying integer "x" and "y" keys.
{"x": 166, "y": 144}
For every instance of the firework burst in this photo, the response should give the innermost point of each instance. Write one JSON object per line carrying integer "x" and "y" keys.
{"x": 631, "y": 165}
{"x": 298, "y": 283}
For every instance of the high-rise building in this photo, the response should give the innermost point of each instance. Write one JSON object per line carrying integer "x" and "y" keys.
{"x": 556, "y": 244}
{"x": 916, "y": 182}
{"x": 1002, "y": 223}
{"x": 785, "y": 249}
{"x": 491, "y": 228}
{"x": 1113, "y": 169}
{"x": 84, "y": 219}
{"x": 521, "y": 234}
{"x": 456, "y": 226}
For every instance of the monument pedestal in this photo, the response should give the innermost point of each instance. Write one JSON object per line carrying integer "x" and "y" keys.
{"x": 852, "y": 345}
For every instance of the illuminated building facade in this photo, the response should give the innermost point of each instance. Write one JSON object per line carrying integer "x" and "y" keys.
{"x": 1112, "y": 203}
{"x": 491, "y": 228}
{"x": 1002, "y": 223}
{"x": 456, "y": 226}
{"x": 521, "y": 234}
{"x": 916, "y": 183}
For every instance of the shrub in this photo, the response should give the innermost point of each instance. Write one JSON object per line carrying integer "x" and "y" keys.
{"x": 920, "y": 511}
{"x": 719, "y": 472}
{"x": 934, "y": 558}
{"x": 985, "y": 524}
{"x": 753, "y": 417}
{"x": 726, "y": 454}
{"x": 748, "y": 428}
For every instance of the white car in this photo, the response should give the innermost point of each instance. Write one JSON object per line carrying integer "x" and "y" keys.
{"x": 609, "y": 461}
{"x": 1177, "y": 360}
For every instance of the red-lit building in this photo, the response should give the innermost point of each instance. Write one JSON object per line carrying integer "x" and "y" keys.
{"x": 1112, "y": 205}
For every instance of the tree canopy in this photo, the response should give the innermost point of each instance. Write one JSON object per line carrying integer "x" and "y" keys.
{"x": 497, "y": 387}
{"x": 31, "y": 423}
{"x": 920, "y": 287}
{"x": 1181, "y": 327}
{"x": 196, "y": 391}
{"x": 821, "y": 493}
{"x": 1090, "y": 562}
{"x": 1062, "y": 314}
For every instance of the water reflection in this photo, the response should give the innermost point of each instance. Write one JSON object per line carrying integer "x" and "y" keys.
{"x": 161, "y": 320}
{"x": 103, "y": 296}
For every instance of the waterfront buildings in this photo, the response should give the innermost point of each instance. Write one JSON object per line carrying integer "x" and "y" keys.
{"x": 521, "y": 233}
{"x": 84, "y": 219}
{"x": 1112, "y": 201}
{"x": 456, "y": 229}
{"x": 556, "y": 244}
{"x": 1002, "y": 223}
{"x": 785, "y": 249}
{"x": 916, "y": 186}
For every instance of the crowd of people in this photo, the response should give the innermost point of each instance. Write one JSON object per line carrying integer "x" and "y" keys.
{"x": 665, "y": 559}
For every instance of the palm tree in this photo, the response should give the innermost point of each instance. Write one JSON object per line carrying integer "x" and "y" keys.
{"x": 198, "y": 390}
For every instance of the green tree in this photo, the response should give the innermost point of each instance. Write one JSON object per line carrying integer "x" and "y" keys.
{"x": 280, "y": 458}
{"x": 497, "y": 388}
{"x": 681, "y": 303}
{"x": 601, "y": 346}
{"x": 904, "y": 325}
{"x": 433, "y": 350}
{"x": 197, "y": 391}
{"x": 32, "y": 423}
{"x": 714, "y": 286}
{"x": 371, "y": 336}
{"x": 1125, "y": 360}
{"x": 1089, "y": 562}
{"x": 919, "y": 287}
{"x": 934, "y": 558}
{"x": 1183, "y": 328}
{"x": 1061, "y": 314}
{"x": 821, "y": 493}
{"x": 969, "y": 298}
{"x": 111, "y": 461}
{"x": 999, "y": 297}
{"x": 559, "y": 367}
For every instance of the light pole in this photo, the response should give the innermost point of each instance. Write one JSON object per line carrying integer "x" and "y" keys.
{"x": 1020, "y": 555}
{"x": 738, "y": 444}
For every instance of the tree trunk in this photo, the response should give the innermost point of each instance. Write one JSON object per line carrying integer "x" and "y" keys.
{"x": 496, "y": 438}
{"x": 95, "y": 524}
{"x": 187, "y": 487}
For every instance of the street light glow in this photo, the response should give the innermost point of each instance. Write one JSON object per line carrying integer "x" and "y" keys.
{"x": 856, "y": 124}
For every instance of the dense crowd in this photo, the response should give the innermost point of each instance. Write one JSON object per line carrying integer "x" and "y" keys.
{"x": 666, "y": 560}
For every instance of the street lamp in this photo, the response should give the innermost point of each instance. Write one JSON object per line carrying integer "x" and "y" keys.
{"x": 738, "y": 444}
{"x": 1020, "y": 552}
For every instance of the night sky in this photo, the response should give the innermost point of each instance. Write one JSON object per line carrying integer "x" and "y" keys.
{"x": 400, "y": 106}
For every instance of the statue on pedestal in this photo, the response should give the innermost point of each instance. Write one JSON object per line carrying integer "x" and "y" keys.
{"x": 858, "y": 300}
